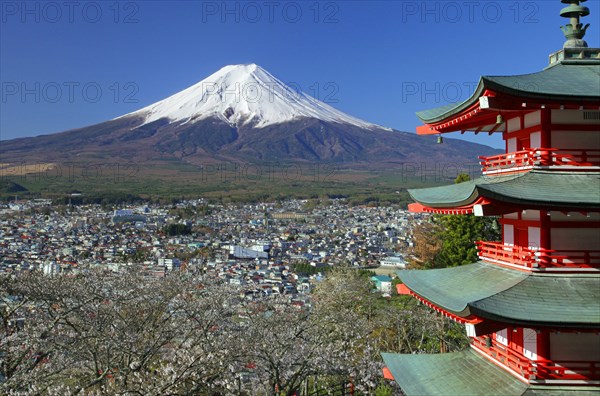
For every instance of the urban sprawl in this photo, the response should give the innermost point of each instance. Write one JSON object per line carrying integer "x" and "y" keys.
{"x": 254, "y": 245}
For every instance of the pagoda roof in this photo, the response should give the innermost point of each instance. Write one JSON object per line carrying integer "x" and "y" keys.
{"x": 465, "y": 373}
{"x": 564, "y": 82}
{"x": 537, "y": 188}
{"x": 492, "y": 292}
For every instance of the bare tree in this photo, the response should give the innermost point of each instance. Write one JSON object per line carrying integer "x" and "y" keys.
{"x": 99, "y": 333}
{"x": 346, "y": 309}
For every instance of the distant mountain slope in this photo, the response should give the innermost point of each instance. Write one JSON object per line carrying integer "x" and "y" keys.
{"x": 239, "y": 113}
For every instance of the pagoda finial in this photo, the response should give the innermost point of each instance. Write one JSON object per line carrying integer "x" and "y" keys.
{"x": 574, "y": 31}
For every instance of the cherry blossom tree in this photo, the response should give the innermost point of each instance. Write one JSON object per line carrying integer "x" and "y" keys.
{"x": 98, "y": 333}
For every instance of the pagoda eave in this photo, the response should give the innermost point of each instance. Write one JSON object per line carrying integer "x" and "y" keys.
{"x": 483, "y": 206}
{"x": 490, "y": 207}
{"x": 503, "y": 95}
{"x": 467, "y": 372}
{"x": 473, "y": 118}
{"x": 483, "y": 115}
{"x": 463, "y": 317}
{"x": 511, "y": 204}
{"x": 466, "y": 209}
{"x": 444, "y": 374}
{"x": 556, "y": 325}
{"x": 508, "y": 193}
{"x": 482, "y": 291}
{"x": 504, "y": 102}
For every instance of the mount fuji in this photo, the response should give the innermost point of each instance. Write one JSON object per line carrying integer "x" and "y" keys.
{"x": 242, "y": 95}
{"x": 240, "y": 113}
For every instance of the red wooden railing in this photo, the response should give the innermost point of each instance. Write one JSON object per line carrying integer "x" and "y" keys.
{"x": 527, "y": 159}
{"x": 507, "y": 162}
{"x": 539, "y": 258}
{"x": 539, "y": 369}
{"x": 568, "y": 370}
{"x": 547, "y": 258}
{"x": 498, "y": 251}
{"x": 502, "y": 354}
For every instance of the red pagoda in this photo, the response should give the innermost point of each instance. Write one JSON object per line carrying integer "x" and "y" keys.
{"x": 531, "y": 304}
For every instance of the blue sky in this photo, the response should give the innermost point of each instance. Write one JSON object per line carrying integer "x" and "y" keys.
{"x": 65, "y": 65}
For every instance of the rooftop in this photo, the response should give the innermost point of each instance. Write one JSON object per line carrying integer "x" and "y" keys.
{"x": 571, "y": 80}
{"x": 496, "y": 293}
{"x": 462, "y": 374}
{"x": 574, "y": 80}
{"x": 537, "y": 188}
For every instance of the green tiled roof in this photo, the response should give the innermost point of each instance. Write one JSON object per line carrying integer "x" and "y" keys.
{"x": 465, "y": 373}
{"x": 568, "y": 82}
{"x": 454, "y": 288}
{"x": 505, "y": 295}
{"x": 541, "y": 188}
{"x": 455, "y": 194}
{"x": 580, "y": 82}
{"x": 439, "y": 113}
{"x": 451, "y": 374}
{"x": 565, "y": 300}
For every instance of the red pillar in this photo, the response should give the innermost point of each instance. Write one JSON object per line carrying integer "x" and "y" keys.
{"x": 543, "y": 344}
{"x": 546, "y": 118}
{"x": 545, "y": 230}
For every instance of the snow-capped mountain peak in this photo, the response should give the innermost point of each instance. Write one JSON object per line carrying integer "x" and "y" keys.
{"x": 240, "y": 94}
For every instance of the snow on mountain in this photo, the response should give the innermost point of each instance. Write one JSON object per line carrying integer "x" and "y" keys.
{"x": 240, "y": 94}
